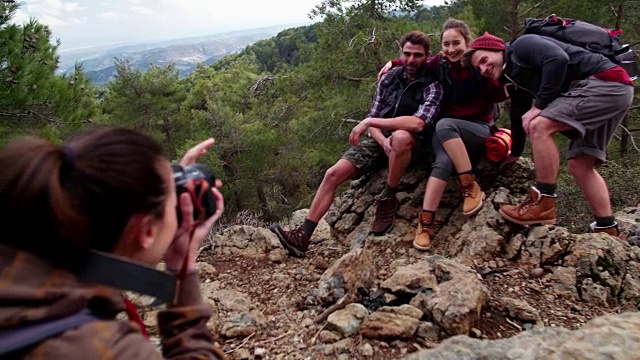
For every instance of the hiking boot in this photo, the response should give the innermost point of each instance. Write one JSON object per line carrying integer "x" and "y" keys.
{"x": 385, "y": 215}
{"x": 295, "y": 241}
{"x": 473, "y": 195}
{"x": 424, "y": 233}
{"x": 612, "y": 230}
{"x": 537, "y": 209}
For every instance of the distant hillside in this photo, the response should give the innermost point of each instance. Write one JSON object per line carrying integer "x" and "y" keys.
{"x": 99, "y": 64}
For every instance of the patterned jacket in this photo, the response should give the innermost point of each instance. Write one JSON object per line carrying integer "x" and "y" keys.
{"x": 32, "y": 291}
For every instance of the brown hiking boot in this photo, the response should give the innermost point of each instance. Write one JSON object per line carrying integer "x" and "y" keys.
{"x": 473, "y": 195}
{"x": 295, "y": 241}
{"x": 424, "y": 233}
{"x": 536, "y": 209}
{"x": 612, "y": 230}
{"x": 385, "y": 215}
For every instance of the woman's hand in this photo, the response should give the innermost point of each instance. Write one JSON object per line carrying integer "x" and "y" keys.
{"x": 190, "y": 235}
{"x": 188, "y": 239}
{"x": 384, "y": 69}
{"x": 192, "y": 154}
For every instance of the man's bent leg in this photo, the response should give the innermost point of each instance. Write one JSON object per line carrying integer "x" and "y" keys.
{"x": 296, "y": 241}
{"x": 592, "y": 184}
{"x": 342, "y": 171}
{"x": 546, "y": 156}
{"x": 540, "y": 206}
{"x": 402, "y": 142}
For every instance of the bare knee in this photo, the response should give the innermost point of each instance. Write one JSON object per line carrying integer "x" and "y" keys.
{"x": 401, "y": 141}
{"x": 541, "y": 127}
{"x": 581, "y": 165}
{"x": 339, "y": 173}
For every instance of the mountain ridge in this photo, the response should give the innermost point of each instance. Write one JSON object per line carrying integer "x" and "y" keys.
{"x": 98, "y": 63}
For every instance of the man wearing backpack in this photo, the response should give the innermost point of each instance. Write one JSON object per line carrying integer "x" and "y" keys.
{"x": 556, "y": 87}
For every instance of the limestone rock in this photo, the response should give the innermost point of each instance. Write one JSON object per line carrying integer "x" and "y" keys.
{"x": 351, "y": 271}
{"x": 346, "y": 321}
{"x": 411, "y": 279}
{"x": 387, "y": 325}
{"x": 607, "y": 337}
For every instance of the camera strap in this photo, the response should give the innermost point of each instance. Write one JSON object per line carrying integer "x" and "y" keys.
{"x": 120, "y": 273}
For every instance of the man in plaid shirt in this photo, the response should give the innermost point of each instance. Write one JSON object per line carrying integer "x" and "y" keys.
{"x": 406, "y": 104}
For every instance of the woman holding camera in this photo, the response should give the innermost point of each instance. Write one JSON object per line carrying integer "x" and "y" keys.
{"x": 106, "y": 197}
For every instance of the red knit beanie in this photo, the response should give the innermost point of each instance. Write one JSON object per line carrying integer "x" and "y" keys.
{"x": 488, "y": 42}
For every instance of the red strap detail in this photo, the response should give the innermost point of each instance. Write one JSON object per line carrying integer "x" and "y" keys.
{"x": 133, "y": 315}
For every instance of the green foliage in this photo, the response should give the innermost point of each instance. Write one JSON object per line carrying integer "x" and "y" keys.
{"x": 33, "y": 99}
{"x": 281, "y": 110}
{"x": 147, "y": 101}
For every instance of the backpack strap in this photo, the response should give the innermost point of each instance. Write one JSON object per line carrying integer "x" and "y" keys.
{"x": 15, "y": 339}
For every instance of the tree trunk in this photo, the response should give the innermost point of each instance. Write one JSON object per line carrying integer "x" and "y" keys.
{"x": 264, "y": 205}
{"x": 514, "y": 19}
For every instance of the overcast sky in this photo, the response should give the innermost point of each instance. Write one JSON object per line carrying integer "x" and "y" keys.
{"x": 82, "y": 23}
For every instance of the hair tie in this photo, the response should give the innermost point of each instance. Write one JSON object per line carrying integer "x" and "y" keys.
{"x": 69, "y": 155}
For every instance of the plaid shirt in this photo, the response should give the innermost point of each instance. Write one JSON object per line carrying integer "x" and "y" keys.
{"x": 427, "y": 111}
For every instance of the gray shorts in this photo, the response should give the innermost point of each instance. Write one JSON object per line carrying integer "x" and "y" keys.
{"x": 593, "y": 108}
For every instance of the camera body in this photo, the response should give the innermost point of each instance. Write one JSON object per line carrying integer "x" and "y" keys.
{"x": 197, "y": 180}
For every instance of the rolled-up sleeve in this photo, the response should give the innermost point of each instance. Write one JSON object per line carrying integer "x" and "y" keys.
{"x": 430, "y": 107}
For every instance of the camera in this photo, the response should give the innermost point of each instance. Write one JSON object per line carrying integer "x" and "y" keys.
{"x": 197, "y": 180}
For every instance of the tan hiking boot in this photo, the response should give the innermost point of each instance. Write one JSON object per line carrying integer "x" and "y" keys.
{"x": 612, "y": 230}
{"x": 295, "y": 241}
{"x": 385, "y": 215}
{"x": 536, "y": 209}
{"x": 473, "y": 195}
{"x": 424, "y": 233}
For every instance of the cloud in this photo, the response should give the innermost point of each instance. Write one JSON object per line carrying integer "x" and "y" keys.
{"x": 110, "y": 16}
{"x": 141, "y": 10}
{"x": 20, "y": 17}
{"x": 51, "y": 20}
{"x": 71, "y": 6}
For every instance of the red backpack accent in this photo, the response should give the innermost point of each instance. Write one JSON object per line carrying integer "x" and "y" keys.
{"x": 588, "y": 36}
{"x": 498, "y": 145}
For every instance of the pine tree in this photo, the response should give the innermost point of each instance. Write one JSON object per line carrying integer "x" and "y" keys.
{"x": 33, "y": 99}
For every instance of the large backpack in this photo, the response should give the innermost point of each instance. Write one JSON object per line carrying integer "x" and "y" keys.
{"x": 588, "y": 36}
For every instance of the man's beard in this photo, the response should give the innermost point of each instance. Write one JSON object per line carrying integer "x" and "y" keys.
{"x": 413, "y": 71}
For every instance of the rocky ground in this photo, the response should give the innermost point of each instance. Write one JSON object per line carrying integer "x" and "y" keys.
{"x": 280, "y": 287}
{"x": 484, "y": 279}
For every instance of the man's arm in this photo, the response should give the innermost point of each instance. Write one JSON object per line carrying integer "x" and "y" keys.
{"x": 538, "y": 52}
{"x": 417, "y": 122}
{"x": 376, "y": 109}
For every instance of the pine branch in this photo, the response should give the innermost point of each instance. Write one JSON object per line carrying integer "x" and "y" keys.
{"x": 633, "y": 142}
{"x": 356, "y": 79}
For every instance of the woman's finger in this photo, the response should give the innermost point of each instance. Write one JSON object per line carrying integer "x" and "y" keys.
{"x": 186, "y": 208}
{"x": 192, "y": 155}
{"x": 219, "y": 209}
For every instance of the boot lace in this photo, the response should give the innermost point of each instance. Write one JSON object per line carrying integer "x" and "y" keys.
{"x": 528, "y": 203}
{"x": 386, "y": 209}
{"x": 298, "y": 238}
